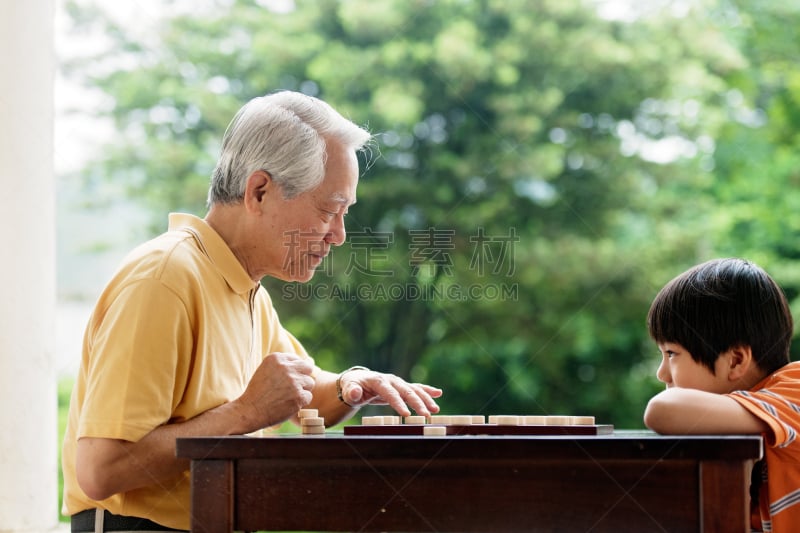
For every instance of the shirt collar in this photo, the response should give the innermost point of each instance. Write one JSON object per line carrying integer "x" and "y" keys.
{"x": 216, "y": 249}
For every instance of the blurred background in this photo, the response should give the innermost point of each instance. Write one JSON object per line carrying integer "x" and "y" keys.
{"x": 540, "y": 170}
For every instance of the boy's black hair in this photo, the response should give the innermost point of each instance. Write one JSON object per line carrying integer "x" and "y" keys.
{"x": 723, "y": 304}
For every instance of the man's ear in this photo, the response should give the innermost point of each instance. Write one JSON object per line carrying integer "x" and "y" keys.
{"x": 740, "y": 362}
{"x": 258, "y": 185}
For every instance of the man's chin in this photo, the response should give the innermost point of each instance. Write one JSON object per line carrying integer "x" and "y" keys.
{"x": 307, "y": 277}
{"x": 299, "y": 271}
{"x": 301, "y": 275}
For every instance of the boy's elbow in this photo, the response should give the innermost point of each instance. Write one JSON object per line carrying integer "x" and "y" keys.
{"x": 650, "y": 418}
{"x": 657, "y": 416}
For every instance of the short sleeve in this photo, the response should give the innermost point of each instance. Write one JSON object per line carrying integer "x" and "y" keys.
{"x": 138, "y": 364}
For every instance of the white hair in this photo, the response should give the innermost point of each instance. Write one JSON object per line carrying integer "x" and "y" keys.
{"x": 283, "y": 134}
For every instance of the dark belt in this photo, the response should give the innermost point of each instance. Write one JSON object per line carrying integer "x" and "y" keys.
{"x": 83, "y": 522}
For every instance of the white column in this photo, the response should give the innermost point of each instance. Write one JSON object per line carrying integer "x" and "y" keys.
{"x": 28, "y": 431}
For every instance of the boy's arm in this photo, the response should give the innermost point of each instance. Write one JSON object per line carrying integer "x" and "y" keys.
{"x": 691, "y": 411}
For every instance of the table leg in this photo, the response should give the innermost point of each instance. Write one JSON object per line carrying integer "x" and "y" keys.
{"x": 724, "y": 505}
{"x": 212, "y": 496}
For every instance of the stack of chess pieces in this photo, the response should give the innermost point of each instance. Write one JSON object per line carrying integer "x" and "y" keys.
{"x": 310, "y": 422}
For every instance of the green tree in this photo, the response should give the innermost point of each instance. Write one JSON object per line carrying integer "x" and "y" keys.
{"x": 513, "y": 153}
{"x": 757, "y": 153}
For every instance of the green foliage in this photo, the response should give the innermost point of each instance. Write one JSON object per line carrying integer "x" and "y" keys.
{"x": 517, "y": 153}
{"x": 64, "y": 392}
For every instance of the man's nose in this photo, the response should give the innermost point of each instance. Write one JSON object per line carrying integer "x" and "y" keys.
{"x": 337, "y": 234}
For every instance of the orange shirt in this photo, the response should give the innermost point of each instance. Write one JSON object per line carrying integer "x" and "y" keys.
{"x": 776, "y": 401}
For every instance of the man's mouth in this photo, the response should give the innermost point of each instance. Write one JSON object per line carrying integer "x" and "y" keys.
{"x": 318, "y": 256}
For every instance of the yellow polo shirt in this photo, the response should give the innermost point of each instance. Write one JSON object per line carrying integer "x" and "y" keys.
{"x": 179, "y": 330}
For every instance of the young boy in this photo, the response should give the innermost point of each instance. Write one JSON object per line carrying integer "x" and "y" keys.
{"x": 724, "y": 330}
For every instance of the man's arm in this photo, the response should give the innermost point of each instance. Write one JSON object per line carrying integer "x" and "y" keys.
{"x": 109, "y": 466}
{"x": 363, "y": 387}
{"x": 281, "y": 386}
{"x": 691, "y": 412}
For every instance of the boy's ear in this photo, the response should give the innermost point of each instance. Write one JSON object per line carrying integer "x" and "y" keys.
{"x": 257, "y": 185}
{"x": 740, "y": 361}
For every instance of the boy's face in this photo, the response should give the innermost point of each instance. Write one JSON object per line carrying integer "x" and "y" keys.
{"x": 678, "y": 369}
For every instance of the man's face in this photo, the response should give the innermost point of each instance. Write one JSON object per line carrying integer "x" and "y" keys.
{"x": 304, "y": 228}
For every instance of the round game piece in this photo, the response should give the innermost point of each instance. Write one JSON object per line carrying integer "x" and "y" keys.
{"x": 461, "y": 420}
{"x": 478, "y": 419}
{"x": 415, "y": 419}
{"x": 441, "y": 419}
{"x": 313, "y": 430}
{"x": 372, "y": 421}
{"x": 389, "y": 420}
{"x": 507, "y": 420}
{"x": 434, "y": 431}
{"x": 557, "y": 420}
{"x": 534, "y": 420}
{"x": 312, "y": 421}
{"x": 303, "y": 413}
{"x": 582, "y": 420}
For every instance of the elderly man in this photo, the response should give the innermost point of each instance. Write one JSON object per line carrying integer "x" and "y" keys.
{"x": 184, "y": 341}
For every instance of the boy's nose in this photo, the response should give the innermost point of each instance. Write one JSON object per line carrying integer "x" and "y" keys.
{"x": 663, "y": 374}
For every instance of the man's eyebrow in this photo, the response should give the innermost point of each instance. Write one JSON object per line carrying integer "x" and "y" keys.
{"x": 342, "y": 199}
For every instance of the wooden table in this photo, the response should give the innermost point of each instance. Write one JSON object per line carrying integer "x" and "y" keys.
{"x": 627, "y": 481}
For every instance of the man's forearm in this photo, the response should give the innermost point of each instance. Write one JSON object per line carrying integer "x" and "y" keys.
{"x": 327, "y": 401}
{"x": 110, "y": 466}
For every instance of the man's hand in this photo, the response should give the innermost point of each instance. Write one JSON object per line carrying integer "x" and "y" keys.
{"x": 280, "y": 387}
{"x": 362, "y": 387}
